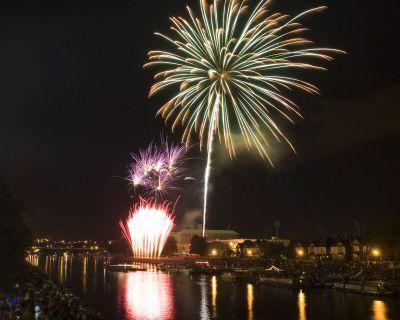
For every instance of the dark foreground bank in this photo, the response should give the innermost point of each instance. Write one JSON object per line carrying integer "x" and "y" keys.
{"x": 36, "y": 297}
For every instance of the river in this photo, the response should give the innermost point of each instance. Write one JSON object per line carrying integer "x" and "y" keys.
{"x": 155, "y": 294}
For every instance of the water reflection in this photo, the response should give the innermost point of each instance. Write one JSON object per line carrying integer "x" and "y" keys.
{"x": 250, "y": 301}
{"x": 46, "y": 266}
{"x": 204, "y": 312}
{"x": 214, "y": 289}
{"x": 33, "y": 259}
{"x": 84, "y": 274}
{"x": 61, "y": 274}
{"x": 379, "y": 310}
{"x": 95, "y": 273}
{"x": 156, "y": 295}
{"x": 53, "y": 266}
{"x": 104, "y": 277}
{"x": 148, "y": 295}
{"x": 301, "y": 303}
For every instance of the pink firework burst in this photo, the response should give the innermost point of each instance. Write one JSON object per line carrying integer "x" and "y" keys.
{"x": 156, "y": 169}
{"x": 147, "y": 228}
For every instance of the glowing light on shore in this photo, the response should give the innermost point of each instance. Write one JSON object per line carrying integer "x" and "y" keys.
{"x": 376, "y": 252}
{"x": 147, "y": 228}
{"x": 230, "y": 68}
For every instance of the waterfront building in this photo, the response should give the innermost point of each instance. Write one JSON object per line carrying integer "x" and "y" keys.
{"x": 249, "y": 248}
{"x": 316, "y": 250}
{"x": 184, "y": 236}
{"x": 359, "y": 249}
{"x": 320, "y": 250}
{"x": 243, "y": 247}
{"x": 335, "y": 249}
{"x": 233, "y": 243}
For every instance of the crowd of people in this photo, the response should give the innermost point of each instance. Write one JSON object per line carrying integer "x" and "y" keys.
{"x": 38, "y": 298}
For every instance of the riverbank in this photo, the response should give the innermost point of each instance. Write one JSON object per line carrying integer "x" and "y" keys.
{"x": 376, "y": 278}
{"x": 37, "y": 297}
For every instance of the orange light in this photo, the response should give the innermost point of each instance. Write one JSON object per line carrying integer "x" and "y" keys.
{"x": 376, "y": 252}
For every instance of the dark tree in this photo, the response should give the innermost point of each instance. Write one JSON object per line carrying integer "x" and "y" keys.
{"x": 248, "y": 243}
{"x": 15, "y": 237}
{"x": 119, "y": 246}
{"x": 274, "y": 250}
{"x": 228, "y": 253}
{"x": 198, "y": 245}
{"x": 170, "y": 247}
{"x": 387, "y": 236}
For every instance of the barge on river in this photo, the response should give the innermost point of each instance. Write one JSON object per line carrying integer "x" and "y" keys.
{"x": 375, "y": 288}
{"x": 124, "y": 267}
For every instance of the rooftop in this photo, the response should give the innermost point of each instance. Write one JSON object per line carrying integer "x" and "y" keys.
{"x": 207, "y": 231}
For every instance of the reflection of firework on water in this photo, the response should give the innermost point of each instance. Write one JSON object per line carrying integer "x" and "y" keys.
{"x": 231, "y": 73}
{"x": 147, "y": 228}
{"x": 157, "y": 168}
{"x": 148, "y": 295}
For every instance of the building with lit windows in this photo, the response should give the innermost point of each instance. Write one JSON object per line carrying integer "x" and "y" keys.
{"x": 333, "y": 249}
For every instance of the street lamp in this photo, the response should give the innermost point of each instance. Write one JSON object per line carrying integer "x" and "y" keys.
{"x": 300, "y": 252}
{"x": 214, "y": 252}
{"x": 376, "y": 252}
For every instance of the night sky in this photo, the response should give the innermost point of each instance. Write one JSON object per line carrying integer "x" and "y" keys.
{"x": 73, "y": 105}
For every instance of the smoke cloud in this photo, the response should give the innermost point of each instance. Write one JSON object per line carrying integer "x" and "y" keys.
{"x": 191, "y": 219}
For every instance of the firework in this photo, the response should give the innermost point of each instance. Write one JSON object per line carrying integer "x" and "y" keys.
{"x": 157, "y": 168}
{"x": 147, "y": 228}
{"x": 230, "y": 74}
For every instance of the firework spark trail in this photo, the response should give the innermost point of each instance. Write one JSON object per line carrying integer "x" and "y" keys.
{"x": 147, "y": 228}
{"x": 242, "y": 66}
{"x": 207, "y": 171}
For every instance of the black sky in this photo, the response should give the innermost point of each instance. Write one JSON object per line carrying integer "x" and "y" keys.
{"x": 73, "y": 105}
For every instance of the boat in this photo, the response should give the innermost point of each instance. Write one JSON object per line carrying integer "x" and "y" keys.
{"x": 171, "y": 268}
{"x": 375, "y": 288}
{"x": 124, "y": 267}
{"x": 229, "y": 276}
{"x": 242, "y": 271}
{"x": 186, "y": 271}
{"x": 330, "y": 280}
{"x": 277, "y": 282}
